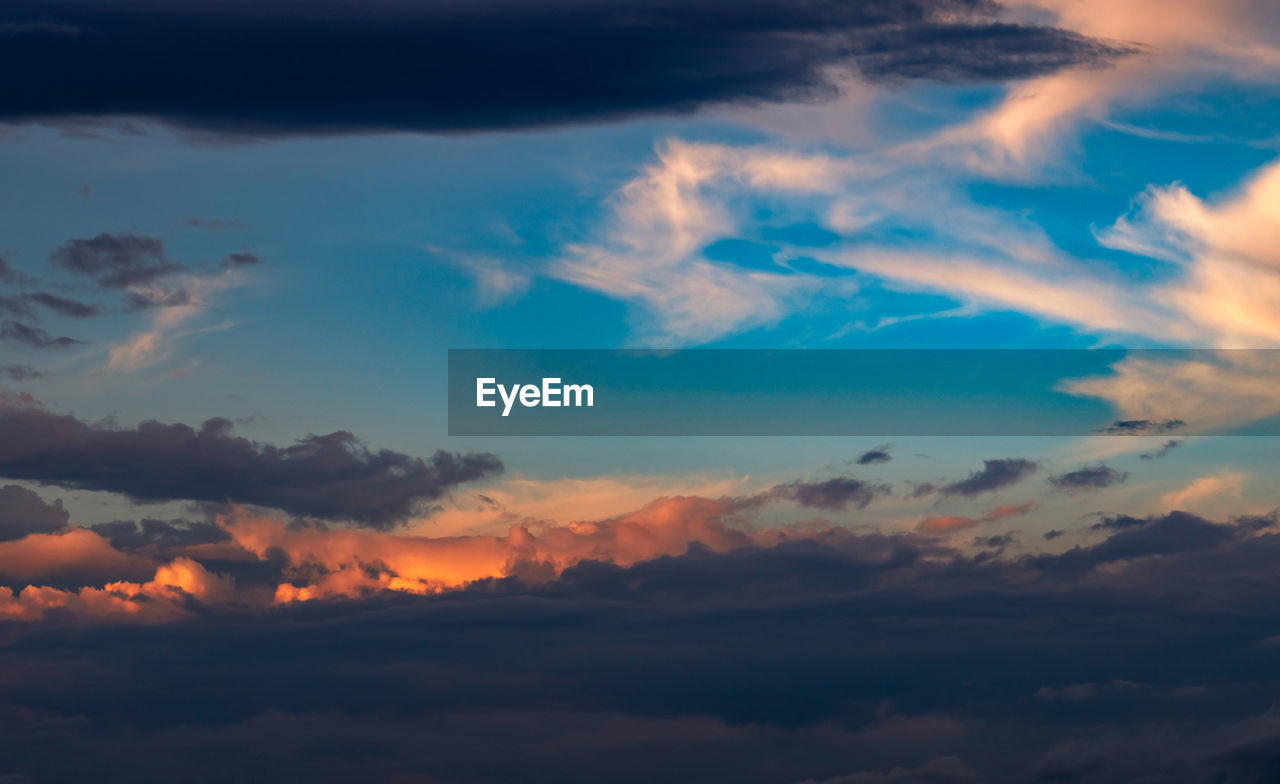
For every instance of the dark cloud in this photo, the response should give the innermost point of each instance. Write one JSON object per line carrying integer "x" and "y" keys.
{"x": 1258, "y": 522}
{"x": 834, "y": 495}
{"x": 1165, "y": 448}
{"x": 1117, "y": 522}
{"x": 1176, "y": 532}
{"x": 851, "y": 658}
{"x": 242, "y": 259}
{"x": 18, "y": 307}
{"x": 1144, "y": 427}
{"x": 20, "y": 334}
{"x": 11, "y": 276}
{"x": 1093, "y": 477}
{"x": 63, "y": 306}
{"x": 117, "y": 261}
{"x": 159, "y": 535}
{"x": 1052, "y": 534}
{"x": 331, "y": 476}
{"x": 995, "y": 474}
{"x": 996, "y": 541}
{"x": 144, "y": 300}
{"x": 875, "y": 456}
{"x": 23, "y": 512}
{"x": 301, "y": 67}
{"x": 20, "y": 372}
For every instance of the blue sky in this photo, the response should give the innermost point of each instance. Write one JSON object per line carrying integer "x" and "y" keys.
{"x": 238, "y": 241}
{"x": 383, "y": 250}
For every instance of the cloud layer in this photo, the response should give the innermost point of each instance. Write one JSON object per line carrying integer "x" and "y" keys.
{"x": 299, "y": 67}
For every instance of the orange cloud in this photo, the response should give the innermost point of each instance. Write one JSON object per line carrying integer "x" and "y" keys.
{"x": 359, "y": 562}
{"x": 76, "y": 554}
{"x": 162, "y": 598}
{"x": 948, "y": 524}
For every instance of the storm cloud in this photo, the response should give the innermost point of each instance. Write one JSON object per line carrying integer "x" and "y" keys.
{"x": 298, "y": 67}
{"x": 330, "y": 476}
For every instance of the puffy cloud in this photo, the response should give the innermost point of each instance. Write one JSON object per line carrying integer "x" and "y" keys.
{"x": 1231, "y": 284}
{"x": 1210, "y": 391}
{"x": 162, "y": 598}
{"x": 76, "y": 555}
{"x": 1226, "y": 483}
{"x": 356, "y": 563}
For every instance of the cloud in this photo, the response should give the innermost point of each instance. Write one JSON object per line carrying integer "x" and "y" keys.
{"x": 948, "y": 524}
{"x": 20, "y": 372}
{"x": 117, "y": 261}
{"x": 834, "y": 495}
{"x": 331, "y": 476}
{"x": 1211, "y": 390}
{"x": 1184, "y": 44}
{"x": 27, "y": 336}
{"x": 650, "y": 252}
{"x": 1093, "y": 477}
{"x": 179, "y": 300}
{"x": 875, "y": 456}
{"x": 995, "y": 475}
{"x": 1228, "y": 483}
{"x": 23, "y": 512}
{"x": 63, "y": 306}
{"x": 511, "y": 65}
{"x": 12, "y": 277}
{"x": 949, "y": 672}
{"x": 164, "y": 597}
{"x": 1232, "y": 272}
{"x": 1139, "y": 427}
{"x": 1165, "y": 448}
{"x": 1175, "y": 533}
{"x": 242, "y": 259}
{"x": 76, "y": 556}
{"x": 159, "y": 535}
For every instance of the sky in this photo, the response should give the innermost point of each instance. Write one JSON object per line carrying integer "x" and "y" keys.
{"x": 238, "y": 240}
